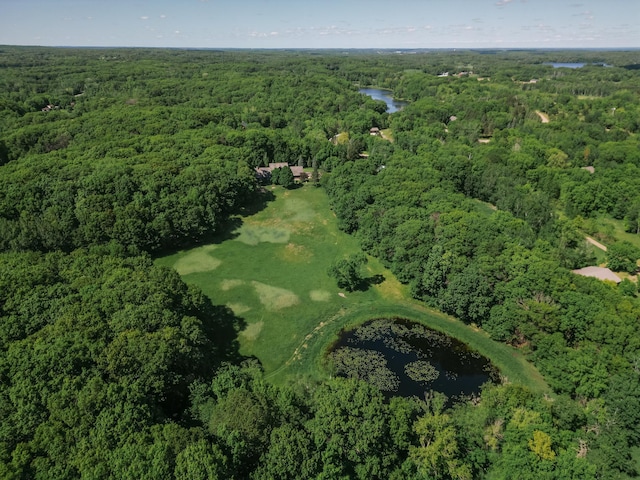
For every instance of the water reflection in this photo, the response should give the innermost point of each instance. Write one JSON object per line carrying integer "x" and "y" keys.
{"x": 405, "y": 358}
{"x": 384, "y": 95}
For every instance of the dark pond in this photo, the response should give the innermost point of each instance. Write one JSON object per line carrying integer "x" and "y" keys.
{"x": 385, "y": 96}
{"x": 408, "y": 359}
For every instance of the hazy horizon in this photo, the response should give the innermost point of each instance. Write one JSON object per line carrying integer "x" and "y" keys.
{"x": 332, "y": 24}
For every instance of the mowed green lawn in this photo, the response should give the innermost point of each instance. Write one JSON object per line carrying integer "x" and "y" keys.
{"x": 271, "y": 270}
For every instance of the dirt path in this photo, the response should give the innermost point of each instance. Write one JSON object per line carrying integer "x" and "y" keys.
{"x": 544, "y": 118}
{"x": 386, "y": 135}
{"x": 596, "y": 243}
{"x": 304, "y": 344}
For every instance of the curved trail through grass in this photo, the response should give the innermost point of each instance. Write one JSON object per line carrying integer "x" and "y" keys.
{"x": 297, "y": 353}
{"x": 514, "y": 368}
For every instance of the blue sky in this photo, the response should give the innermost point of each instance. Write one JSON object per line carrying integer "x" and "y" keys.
{"x": 322, "y": 23}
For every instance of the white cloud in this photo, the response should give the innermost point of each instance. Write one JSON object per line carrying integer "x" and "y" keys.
{"x": 144, "y": 17}
{"x": 502, "y": 3}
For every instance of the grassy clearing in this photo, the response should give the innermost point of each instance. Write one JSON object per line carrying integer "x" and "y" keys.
{"x": 601, "y": 255}
{"x": 485, "y": 208}
{"x": 616, "y": 229}
{"x": 387, "y": 134}
{"x": 340, "y": 138}
{"x": 272, "y": 272}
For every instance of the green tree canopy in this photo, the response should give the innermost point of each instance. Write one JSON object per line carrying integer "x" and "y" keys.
{"x": 623, "y": 256}
{"x": 348, "y": 271}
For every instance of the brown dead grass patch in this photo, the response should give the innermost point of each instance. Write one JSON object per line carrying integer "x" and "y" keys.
{"x": 320, "y": 295}
{"x": 228, "y": 284}
{"x": 270, "y": 231}
{"x": 197, "y": 260}
{"x": 275, "y": 298}
{"x": 252, "y": 331}
{"x": 293, "y": 252}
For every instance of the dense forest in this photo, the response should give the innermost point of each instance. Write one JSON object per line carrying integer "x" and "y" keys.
{"x": 479, "y": 197}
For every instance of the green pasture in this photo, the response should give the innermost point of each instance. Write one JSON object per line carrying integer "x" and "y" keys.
{"x": 616, "y": 229}
{"x": 271, "y": 270}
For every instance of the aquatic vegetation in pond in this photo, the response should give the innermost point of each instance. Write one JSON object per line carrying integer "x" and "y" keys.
{"x": 421, "y": 371}
{"x": 367, "y": 365}
{"x": 395, "y": 335}
{"x": 408, "y": 359}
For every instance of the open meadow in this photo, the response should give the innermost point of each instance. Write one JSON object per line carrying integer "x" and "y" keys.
{"x": 271, "y": 270}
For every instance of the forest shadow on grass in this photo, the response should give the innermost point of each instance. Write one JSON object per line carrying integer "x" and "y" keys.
{"x": 258, "y": 203}
{"x": 369, "y": 282}
{"x": 228, "y": 229}
{"x": 221, "y": 329}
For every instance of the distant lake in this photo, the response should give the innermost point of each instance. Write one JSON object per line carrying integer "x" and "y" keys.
{"x": 407, "y": 359}
{"x": 565, "y": 64}
{"x": 571, "y": 65}
{"x": 385, "y": 96}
